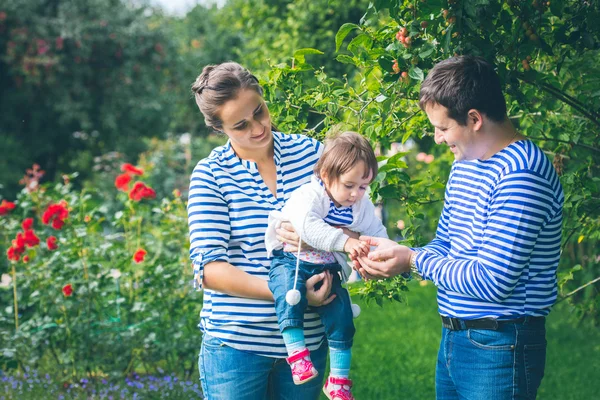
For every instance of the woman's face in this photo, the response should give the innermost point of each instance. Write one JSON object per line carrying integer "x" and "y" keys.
{"x": 247, "y": 123}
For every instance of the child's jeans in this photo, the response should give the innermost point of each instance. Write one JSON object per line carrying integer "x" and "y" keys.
{"x": 336, "y": 316}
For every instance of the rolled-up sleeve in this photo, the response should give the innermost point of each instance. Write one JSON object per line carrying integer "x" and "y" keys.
{"x": 208, "y": 219}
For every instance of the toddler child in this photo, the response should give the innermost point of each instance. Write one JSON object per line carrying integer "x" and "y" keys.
{"x": 334, "y": 198}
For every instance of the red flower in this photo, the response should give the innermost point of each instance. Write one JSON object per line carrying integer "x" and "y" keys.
{"x": 139, "y": 255}
{"x": 58, "y": 224}
{"x": 14, "y": 254}
{"x": 122, "y": 182}
{"x": 31, "y": 239}
{"x": 57, "y": 213}
{"x": 67, "y": 290}
{"x": 141, "y": 191}
{"x": 51, "y": 243}
{"x": 27, "y": 224}
{"x": 6, "y": 207}
{"x": 26, "y": 259}
{"x": 19, "y": 241}
{"x": 128, "y": 168}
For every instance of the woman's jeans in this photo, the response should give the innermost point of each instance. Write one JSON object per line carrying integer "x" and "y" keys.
{"x": 335, "y": 316}
{"x": 230, "y": 374}
{"x": 503, "y": 364}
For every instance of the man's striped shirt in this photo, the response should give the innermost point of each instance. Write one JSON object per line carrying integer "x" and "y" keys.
{"x": 228, "y": 208}
{"x": 497, "y": 244}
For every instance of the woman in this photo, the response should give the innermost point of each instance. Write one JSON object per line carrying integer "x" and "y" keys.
{"x": 231, "y": 193}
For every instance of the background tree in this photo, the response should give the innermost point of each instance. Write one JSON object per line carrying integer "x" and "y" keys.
{"x": 79, "y": 78}
{"x": 547, "y": 57}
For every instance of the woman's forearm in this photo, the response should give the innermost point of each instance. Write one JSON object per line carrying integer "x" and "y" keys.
{"x": 225, "y": 278}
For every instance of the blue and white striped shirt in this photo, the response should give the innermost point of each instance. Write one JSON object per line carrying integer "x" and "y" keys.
{"x": 497, "y": 243}
{"x": 339, "y": 216}
{"x": 228, "y": 208}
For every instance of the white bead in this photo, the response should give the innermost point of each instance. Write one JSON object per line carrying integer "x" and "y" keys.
{"x": 292, "y": 297}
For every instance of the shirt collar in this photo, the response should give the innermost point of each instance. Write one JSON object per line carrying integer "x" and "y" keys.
{"x": 251, "y": 165}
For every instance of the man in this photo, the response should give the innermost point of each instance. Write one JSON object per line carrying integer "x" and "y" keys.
{"x": 497, "y": 244}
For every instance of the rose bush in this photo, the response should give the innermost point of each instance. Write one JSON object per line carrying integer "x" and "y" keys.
{"x": 92, "y": 290}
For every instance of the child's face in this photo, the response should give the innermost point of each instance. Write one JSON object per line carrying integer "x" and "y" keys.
{"x": 350, "y": 187}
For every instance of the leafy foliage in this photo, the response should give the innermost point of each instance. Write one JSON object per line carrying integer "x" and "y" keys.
{"x": 547, "y": 59}
{"x": 79, "y": 78}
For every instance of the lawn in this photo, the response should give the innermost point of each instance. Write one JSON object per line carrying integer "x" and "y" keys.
{"x": 396, "y": 348}
{"x": 394, "y": 358}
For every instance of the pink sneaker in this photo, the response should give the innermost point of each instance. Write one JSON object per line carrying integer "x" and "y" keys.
{"x": 338, "y": 388}
{"x": 303, "y": 369}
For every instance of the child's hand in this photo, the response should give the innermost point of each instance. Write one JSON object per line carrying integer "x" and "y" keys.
{"x": 356, "y": 248}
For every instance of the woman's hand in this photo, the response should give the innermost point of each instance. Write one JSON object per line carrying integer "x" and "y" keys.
{"x": 319, "y": 297}
{"x": 387, "y": 260}
{"x": 286, "y": 234}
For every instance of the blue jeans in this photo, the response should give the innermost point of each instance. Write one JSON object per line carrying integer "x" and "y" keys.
{"x": 227, "y": 373}
{"x": 505, "y": 364}
{"x": 335, "y": 316}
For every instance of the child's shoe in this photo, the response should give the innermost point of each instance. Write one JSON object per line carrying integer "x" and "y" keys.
{"x": 338, "y": 388}
{"x": 303, "y": 369}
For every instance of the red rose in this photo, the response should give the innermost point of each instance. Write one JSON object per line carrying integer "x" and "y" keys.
{"x": 27, "y": 224}
{"x": 132, "y": 169}
{"x": 13, "y": 254}
{"x": 26, "y": 259}
{"x": 51, "y": 243}
{"x": 139, "y": 256}
{"x": 19, "y": 241}
{"x": 56, "y": 213}
{"x": 31, "y": 239}
{"x": 6, "y": 207}
{"x": 122, "y": 182}
{"x": 141, "y": 191}
{"x": 67, "y": 290}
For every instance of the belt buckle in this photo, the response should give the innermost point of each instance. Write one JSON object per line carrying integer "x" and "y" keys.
{"x": 455, "y": 324}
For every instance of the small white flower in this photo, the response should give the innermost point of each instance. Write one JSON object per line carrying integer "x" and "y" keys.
{"x": 185, "y": 139}
{"x": 115, "y": 273}
{"x": 6, "y": 280}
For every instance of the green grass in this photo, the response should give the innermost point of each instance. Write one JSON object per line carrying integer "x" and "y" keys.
{"x": 395, "y": 351}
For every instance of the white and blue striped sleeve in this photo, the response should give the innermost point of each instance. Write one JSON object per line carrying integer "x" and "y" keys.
{"x": 208, "y": 218}
{"x": 522, "y": 203}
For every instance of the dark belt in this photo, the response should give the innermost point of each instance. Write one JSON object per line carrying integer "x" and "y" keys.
{"x": 457, "y": 324}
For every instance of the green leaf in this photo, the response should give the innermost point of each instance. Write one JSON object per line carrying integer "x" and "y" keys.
{"x": 344, "y": 59}
{"x": 301, "y": 53}
{"x": 416, "y": 73}
{"x": 342, "y": 33}
{"x": 363, "y": 40}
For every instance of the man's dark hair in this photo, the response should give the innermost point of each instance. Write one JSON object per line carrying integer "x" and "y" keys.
{"x": 461, "y": 84}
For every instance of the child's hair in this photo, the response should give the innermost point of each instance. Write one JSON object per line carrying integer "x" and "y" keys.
{"x": 342, "y": 152}
{"x": 463, "y": 83}
{"x": 217, "y": 84}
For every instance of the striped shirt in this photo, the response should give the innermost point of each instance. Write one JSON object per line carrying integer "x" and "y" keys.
{"x": 228, "y": 207}
{"x": 497, "y": 243}
{"x": 339, "y": 216}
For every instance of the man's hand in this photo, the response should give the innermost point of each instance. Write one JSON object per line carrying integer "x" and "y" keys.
{"x": 387, "y": 260}
{"x": 286, "y": 234}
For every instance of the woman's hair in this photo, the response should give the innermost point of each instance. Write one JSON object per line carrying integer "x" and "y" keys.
{"x": 217, "y": 84}
{"x": 463, "y": 83}
{"x": 344, "y": 151}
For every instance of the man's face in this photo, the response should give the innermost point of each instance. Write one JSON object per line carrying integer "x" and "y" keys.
{"x": 462, "y": 140}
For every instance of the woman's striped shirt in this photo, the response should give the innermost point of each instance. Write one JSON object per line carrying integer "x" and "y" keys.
{"x": 228, "y": 208}
{"x": 497, "y": 244}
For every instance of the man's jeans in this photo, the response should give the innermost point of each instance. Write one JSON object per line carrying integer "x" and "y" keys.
{"x": 336, "y": 316}
{"x": 505, "y": 364}
{"x": 230, "y": 374}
